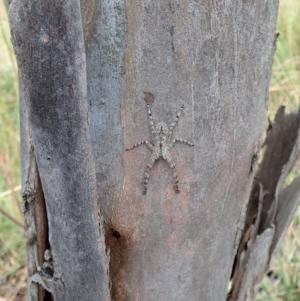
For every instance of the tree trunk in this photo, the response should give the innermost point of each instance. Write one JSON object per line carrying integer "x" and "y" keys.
{"x": 88, "y": 71}
{"x": 49, "y": 45}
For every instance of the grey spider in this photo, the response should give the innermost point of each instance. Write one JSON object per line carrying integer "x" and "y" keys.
{"x": 162, "y": 136}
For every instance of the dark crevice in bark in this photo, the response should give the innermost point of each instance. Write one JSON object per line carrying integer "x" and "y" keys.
{"x": 43, "y": 218}
{"x": 118, "y": 243}
{"x": 115, "y": 233}
{"x": 48, "y": 296}
{"x": 35, "y": 221}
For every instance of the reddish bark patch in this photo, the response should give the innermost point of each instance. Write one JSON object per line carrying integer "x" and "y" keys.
{"x": 119, "y": 243}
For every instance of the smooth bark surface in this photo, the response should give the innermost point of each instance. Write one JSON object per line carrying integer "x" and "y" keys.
{"x": 215, "y": 58}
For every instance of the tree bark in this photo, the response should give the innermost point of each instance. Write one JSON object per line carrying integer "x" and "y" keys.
{"x": 271, "y": 206}
{"x": 49, "y": 45}
{"x": 215, "y": 58}
{"x": 87, "y": 71}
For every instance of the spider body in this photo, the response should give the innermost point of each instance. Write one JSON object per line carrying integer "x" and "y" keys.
{"x": 162, "y": 137}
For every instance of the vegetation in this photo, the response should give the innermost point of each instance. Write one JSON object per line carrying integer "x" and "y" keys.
{"x": 282, "y": 282}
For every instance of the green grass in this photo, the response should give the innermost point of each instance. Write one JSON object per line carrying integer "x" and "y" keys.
{"x": 284, "y": 89}
{"x": 12, "y": 247}
{"x": 285, "y": 86}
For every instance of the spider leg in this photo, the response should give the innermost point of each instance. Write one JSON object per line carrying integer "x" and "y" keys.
{"x": 174, "y": 122}
{"x": 183, "y": 141}
{"x": 167, "y": 156}
{"x": 139, "y": 143}
{"x": 151, "y": 119}
{"x": 150, "y": 164}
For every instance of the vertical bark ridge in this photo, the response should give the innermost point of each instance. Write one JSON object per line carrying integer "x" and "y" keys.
{"x": 49, "y": 44}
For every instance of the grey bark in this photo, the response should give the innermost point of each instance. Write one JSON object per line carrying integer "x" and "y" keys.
{"x": 85, "y": 69}
{"x": 49, "y": 45}
{"x": 215, "y": 57}
{"x": 256, "y": 266}
{"x": 287, "y": 205}
{"x": 33, "y": 205}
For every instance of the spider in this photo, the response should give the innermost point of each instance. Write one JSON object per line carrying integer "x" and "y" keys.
{"x": 162, "y": 136}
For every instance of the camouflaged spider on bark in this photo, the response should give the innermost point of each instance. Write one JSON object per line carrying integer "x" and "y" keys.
{"x": 162, "y": 143}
